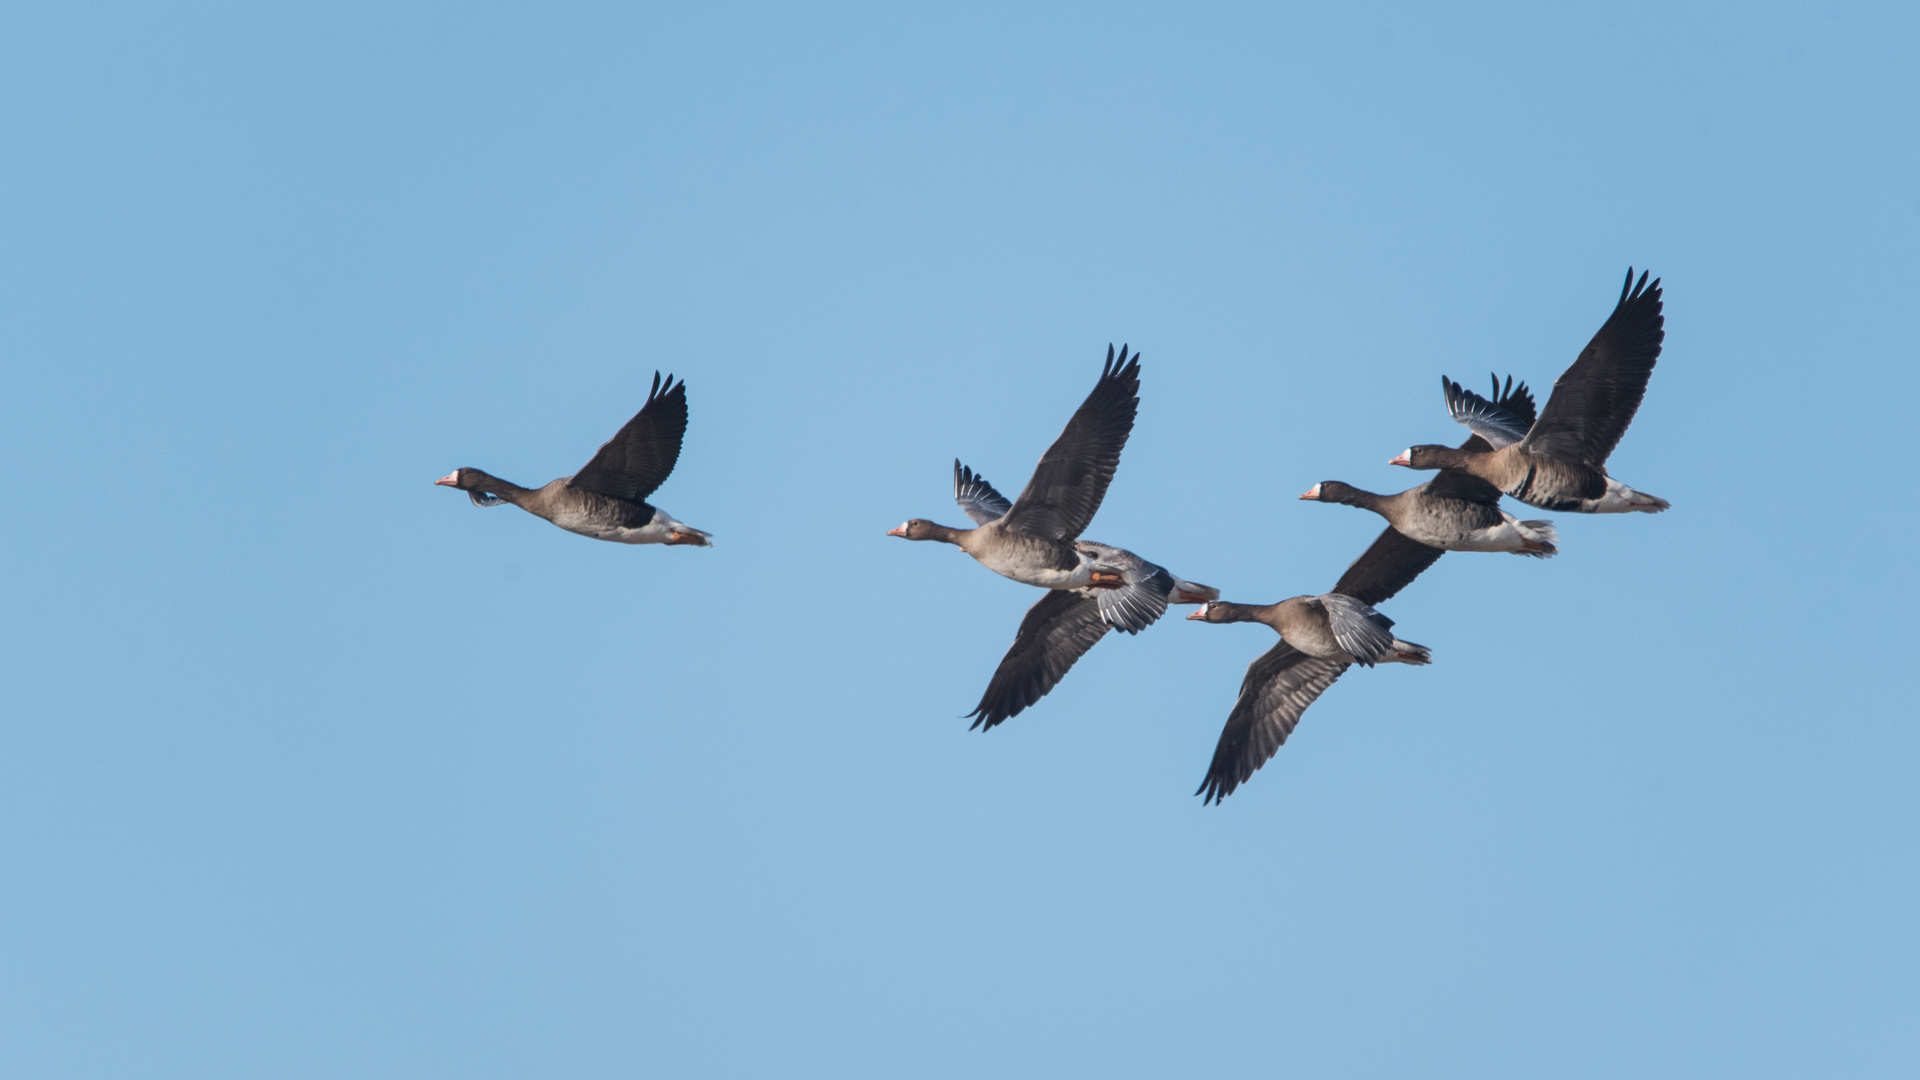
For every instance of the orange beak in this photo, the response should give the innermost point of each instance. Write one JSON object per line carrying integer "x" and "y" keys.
{"x": 1200, "y": 615}
{"x": 1313, "y": 493}
{"x": 1405, "y": 458}
{"x": 897, "y": 530}
{"x": 452, "y": 479}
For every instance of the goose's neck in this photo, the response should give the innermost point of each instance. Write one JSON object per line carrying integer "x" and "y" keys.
{"x": 1231, "y": 612}
{"x": 1365, "y": 500}
{"x": 507, "y": 490}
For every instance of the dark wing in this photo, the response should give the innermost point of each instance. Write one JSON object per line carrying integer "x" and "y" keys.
{"x": 1594, "y": 400}
{"x": 1072, "y": 477}
{"x": 1388, "y": 566}
{"x": 1057, "y": 631}
{"x": 639, "y": 458}
{"x": 1278, "y": 688}
{"x": 1517, "y": 400}
{"x": 976, "y": 497}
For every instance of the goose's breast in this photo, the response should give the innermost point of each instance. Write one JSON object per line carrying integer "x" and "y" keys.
{"x": 1046, "y": 565}
{"x": 607, "y": 523}
{"x": 1315, "y": 638}
{"x": 1448, "y": 523}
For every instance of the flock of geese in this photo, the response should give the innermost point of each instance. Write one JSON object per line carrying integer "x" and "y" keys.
{"x": 1554, "y": 459}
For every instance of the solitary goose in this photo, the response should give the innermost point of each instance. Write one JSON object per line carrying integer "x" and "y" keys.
{"x": 607, "y": 499}
{"x": 1092, "y": 587}
{"x": 1455, "y": 511}
{"x": 1320, "y": 637}
{"x": 1558, "y": 462}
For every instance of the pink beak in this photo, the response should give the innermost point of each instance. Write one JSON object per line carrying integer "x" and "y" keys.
{"x": 1405, "y": 458}
{"x": 1312, "y": 493}
{"x": 897, "y": 530}
{"x": 452, "y": 479}
{"x": 1200, "y": 615}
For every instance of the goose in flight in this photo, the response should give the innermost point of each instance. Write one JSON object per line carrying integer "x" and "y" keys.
{"x": 607, "y": 498}
{"x": 1456, "y": 511}
{"x": 1320, "y": 638}
{"x": 1559, "y": 461}
{"x": 1034, "y": 539}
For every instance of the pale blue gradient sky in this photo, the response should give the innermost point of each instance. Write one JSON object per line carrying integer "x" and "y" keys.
{"x": 310, "y": 769}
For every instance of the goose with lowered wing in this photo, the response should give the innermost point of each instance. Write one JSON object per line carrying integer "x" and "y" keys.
{"x": 1034, "y": 539}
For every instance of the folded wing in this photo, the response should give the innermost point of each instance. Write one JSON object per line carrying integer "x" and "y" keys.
{"x": 1364, "y": 633}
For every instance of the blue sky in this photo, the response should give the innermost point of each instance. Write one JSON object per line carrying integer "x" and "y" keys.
{"x": 309, "y": 768}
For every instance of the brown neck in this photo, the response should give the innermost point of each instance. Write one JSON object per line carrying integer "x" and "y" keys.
{"x": 946, "y": 535}
{"x": 1353, "y": 496}
{"x": 505, "y": 489}
{"x": 1447, "y": 457}
{"x": 1230, "y": 612}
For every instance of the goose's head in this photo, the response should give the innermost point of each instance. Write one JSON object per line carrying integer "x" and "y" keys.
{"x": 1425, "y": 456}
{"x": 1212, "y": 611}
{"x": 1332, "y": 491}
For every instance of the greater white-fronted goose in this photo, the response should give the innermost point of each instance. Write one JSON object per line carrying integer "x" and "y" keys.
{"x": 1558, "y": 462}
{"x": 1320, "y": 637}
{"x": 1034, "y": 539}
{"x": 1455, "y": 511}
{"x": 607, "y": 499}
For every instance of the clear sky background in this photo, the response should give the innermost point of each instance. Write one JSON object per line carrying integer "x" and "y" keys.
{"x": 311, "y": 769}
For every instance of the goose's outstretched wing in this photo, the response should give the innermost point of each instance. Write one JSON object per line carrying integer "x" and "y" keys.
{"x": 1277, "y": 690}
{"x": 1388, "y": 565}
{"x": 1594, "y": 400}
{"x": 640, "y": 457}
{"x": 1072, "y": 477}
{"x": 976, "y": 497}
{"x": 1057, "y": 631}
{"x": 1512, "y": 408}
{"x": 1496, "y": 425}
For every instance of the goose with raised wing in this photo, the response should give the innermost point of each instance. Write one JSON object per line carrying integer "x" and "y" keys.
{"x": 1320, "y": 638}
{"x": 607, "y": 498}
{"x": 1455, "y": 511}
{"x": 1559, "y": 461}
{"x": 1034, "y": 539}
